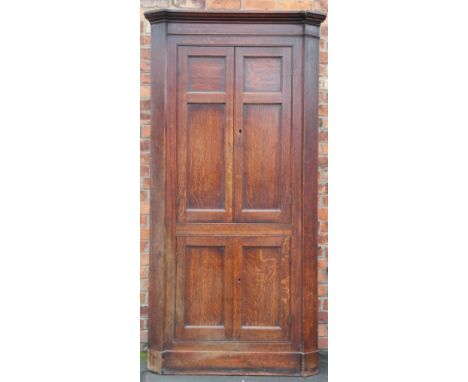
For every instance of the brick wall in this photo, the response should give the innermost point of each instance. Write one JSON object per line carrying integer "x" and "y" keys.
{"x": 145, "y": 38}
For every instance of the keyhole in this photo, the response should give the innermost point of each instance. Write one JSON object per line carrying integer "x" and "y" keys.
{"x": 240, "y": 131}
{"x": 238, "y": 280}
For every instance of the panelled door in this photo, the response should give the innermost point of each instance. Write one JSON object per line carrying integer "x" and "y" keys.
{"x": 262, "y": 135}
{"x": 204, "y": 134}
{"x": 233, "y": 170}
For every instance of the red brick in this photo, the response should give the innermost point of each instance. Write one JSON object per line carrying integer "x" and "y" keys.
{"x": 324, "y": 46}
{"x": 145, "y": 116}
{"x": 323, "y": 176}
{"x": 146, "y": 131}
{"x": 144, "y": 246}
{"x": 143, "y": 220}
{"x": 193, "y": 4}
{"x": 145, "y": 54}
{"x": 144, "y": 233}
{"x": 142, "y": 324}
{"x": 145, "y": 105}
{"x": 144, "y": 271}
{"x": 321, "y": 5}
{"x": 144, "y": 144}
{"x": 323, "y": 122}
{"x": 146, "y": 183}
{"x": 323, "y": 213}
{"x": 323, "y": 110}
{"x": 323, "y": 316}
{"x": 145, "y": 91}
{"x": 323, "y": 342}
{"x": 322, "y": 290}
{"x": 142, "y": 297}
{"x": 323, "y": 227}
{"x": 325, "y": 305}
{"x": 259, "y": 4}
{"x": 323, "y": 148}
{"x": 322, "y": 330}
{"x": 145, "y": 79}
{"x": 322, "y": 161}
{"x": 320, "y": 252}
{"x": 324, "y": 30}
{"x": 322, "y": 264}
{"x": 150, "y": 4}
{"x": 322, "y": 277}
{"x": 144, "y": 259}
{"x": 223, "y": 4}
{"x": 323, "y": 100}
{"x": 323, "y": 57}
{"x": 144, "y": 170}
{"x": 144, "y": 207}
{"x": 145, "y": 40}
{"x": 323, "y": 238}
{"x": 144, "y": 310}
{"x": 324, "y": 202}
{"x": 145, "y": 66}
{"x": 143, "y": 336}
{"x": 323, "y": 70}
{"x": 323, "y": 189}
{"x": 144, "y": 158}
{"x": 323, "y": 135}
{"x": 292, "y": 5}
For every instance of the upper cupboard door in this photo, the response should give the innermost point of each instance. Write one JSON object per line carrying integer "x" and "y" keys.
{"x": 262, "y": 135}
{"x": 205, "y": 77}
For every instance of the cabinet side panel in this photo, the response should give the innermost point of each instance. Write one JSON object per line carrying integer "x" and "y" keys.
{"x": 158, "y": 171}
{"x": 309, "y": 292}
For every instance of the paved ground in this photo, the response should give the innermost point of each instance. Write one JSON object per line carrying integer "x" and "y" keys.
{"x": 148, "y": 376}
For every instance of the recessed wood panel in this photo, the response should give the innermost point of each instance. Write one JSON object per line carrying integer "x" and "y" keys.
{"x": 260, "y": 286}
{"x": 262, "y": 74}
{"x": 204, "y": 296}
{"x": 263, "y": 288}
{"x": 203, "y": 310}
{"x": 261, "y": 157}
{"x": 205, "y": 156}
{"x": 207, "y": 73}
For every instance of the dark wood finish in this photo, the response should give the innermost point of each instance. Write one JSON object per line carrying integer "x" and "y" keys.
{"x": 309, "y": 294}
{"x": 204, "y": 134}
{"x": 234, "y": 147}
{"x": 262, "y": 139}
{"x": 249, "y": 17}
{"x": 204, "y": 289}
{"x": 262, "y": 293}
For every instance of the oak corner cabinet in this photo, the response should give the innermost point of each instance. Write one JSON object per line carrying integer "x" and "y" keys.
{"x": 233, "y": 280}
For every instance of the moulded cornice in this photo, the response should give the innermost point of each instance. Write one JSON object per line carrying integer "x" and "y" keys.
{"x": 235, "y": 17}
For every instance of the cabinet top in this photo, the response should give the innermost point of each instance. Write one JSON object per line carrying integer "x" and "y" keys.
{"x": 235, "y": 17}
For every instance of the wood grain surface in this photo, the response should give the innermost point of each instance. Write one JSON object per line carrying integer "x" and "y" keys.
{"x": 233, "y": 286}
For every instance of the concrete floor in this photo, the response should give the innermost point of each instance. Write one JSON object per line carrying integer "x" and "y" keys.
{"x": 148, "y": 376}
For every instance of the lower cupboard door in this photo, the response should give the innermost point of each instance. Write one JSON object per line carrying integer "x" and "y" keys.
{"x": 233, "y": 289}
{"x": 262, "y": 289}
{"x": 203, "y": 308}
